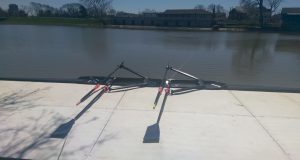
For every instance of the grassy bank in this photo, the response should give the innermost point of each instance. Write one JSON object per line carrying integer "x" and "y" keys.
{"x": 223, "y": 29}
{"x": 89, "y": 22}
{"x": 52, "y": 21}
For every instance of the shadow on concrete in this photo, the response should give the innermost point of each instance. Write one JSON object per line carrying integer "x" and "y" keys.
{"x": 20, "y": 99}
{"x": 183, "y": 91}
{"x": 2, "y": 158}
{"x": 238, "y": 87}
{"x": 31, "y": 138}
{"x": 27, "y": 135}
{"x": 63, "y": 130}
{"x": 106, "y": 138}
{"x": 152, "y": 134}
{"x": 19, "y": 140}
{"x": 128, "y": 88}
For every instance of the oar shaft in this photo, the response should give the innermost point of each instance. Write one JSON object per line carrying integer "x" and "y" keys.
{"x": 134, "y": 72}
{"x": 90, "y": 104}
{"x": 183, "y": 73}
{"x": 91, "y": 92}
{"x": 161, "y": 87}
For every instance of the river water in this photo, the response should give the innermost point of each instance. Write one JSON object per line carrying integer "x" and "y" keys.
{"x": 261, "y": 59}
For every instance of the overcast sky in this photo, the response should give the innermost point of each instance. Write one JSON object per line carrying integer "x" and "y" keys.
{"x": 140, "y": 5}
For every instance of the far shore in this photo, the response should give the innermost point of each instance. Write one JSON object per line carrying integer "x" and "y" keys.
{"x": 80, "y": 22}
{"x": 56, "y": 21}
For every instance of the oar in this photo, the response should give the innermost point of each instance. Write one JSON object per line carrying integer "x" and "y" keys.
{"x": 161, "y": 87}
{"x": 91, "y": 92}
{"x": 63, "y": 130}
{"x": 152, "y": 134}
{"x": 167, "y": 93}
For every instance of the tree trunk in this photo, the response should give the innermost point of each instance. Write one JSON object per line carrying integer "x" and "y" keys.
{"x": 261, "y": 17}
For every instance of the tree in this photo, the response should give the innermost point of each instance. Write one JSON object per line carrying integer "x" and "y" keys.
{"x": 82, "y": 11}
{"x": 97, "y": 8}
{"x": 217, "y": 7}
{"x": 2, "y": 13}
{"x": 22, "y": 13}
{"x": 261, "y": 17}
{"x": 43, "y": 10}
{"x": 273, "y": 5}
{"x": 211, "y": 8}
{"x": 112, "y": 12}
{"x": 149, "y": 11}
{"x": 13, "y": 10}
{"x": 220, "y": 9}
{"x": 248, "y": 3}
{"x": 199, "y": 6}
{"x": 75, "y": 10}
{"x": 35, "y": 8}
{"x": 28, "y": 10}
{"x": 251, "y": 7}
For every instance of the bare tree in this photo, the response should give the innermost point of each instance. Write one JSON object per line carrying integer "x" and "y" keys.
{"x": 111, "y": 12}
{"x": 42, "y": 10}
{"x": 220, "y": 9}
{"x": 98, "y": 8}
{"x": 261, "y": 17}
{"x": 251, "y": 7}
{"x": 217, "y": 7}
{"x": 2, "y": 13}
{"x": 199, "y": 6}
{"x": 248, "y": 3}
{"x": 211, "y": 7}
{"x": 274, "y": 4}
{"x": 147, "y": 10}
{"x": 75, "y": 10}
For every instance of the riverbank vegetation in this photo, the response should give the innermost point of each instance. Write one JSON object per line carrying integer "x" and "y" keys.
{"x": 253, "y": 14}
{"x": 90, "y": 22}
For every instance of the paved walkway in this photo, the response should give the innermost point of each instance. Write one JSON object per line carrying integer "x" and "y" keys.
{"x": 205, "y": 124}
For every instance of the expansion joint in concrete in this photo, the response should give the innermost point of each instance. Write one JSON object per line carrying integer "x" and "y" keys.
{"x": 261, "y": 125}
{"x": 108, "y": 120}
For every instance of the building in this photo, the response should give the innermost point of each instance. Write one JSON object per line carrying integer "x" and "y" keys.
{"x": 168, "y": 18}
{"x": 237, "y": 14}
{"x": 290, "y": 18}
{"x": 124, "y": 18}
{"x": 241, "y": 14}
{"x": 185, "y": 18}
{"x": 220, "y": 18}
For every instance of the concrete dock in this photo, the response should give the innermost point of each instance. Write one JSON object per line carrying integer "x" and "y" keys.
{"x": 205, "y": 124}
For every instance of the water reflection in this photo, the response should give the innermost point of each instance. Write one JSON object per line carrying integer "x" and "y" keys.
{"x": 95, "y": 43}
{"x": 69, "y": 52}
{"x": 288, "y": 46}
{"x": 251, "y": 52}
{"x": 194, "y": 40}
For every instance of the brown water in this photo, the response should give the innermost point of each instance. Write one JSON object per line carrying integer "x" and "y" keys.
{"x": 264, "y": 59}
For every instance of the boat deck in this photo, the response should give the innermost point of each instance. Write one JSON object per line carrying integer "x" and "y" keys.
{"x": 205, "y": 124}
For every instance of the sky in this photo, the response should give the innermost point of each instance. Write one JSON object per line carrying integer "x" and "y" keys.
{"x": 140, "y": 5}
